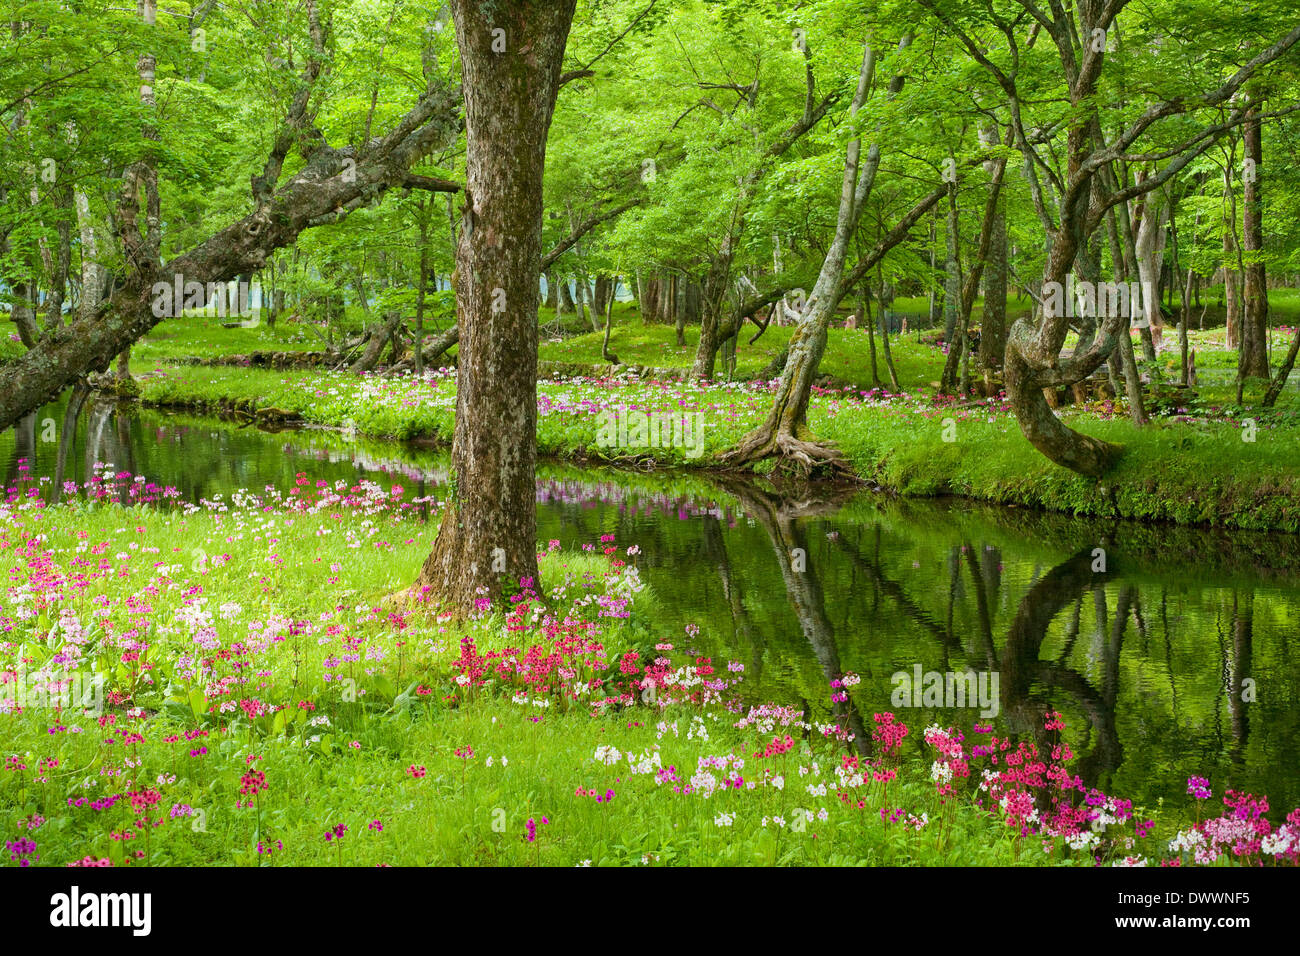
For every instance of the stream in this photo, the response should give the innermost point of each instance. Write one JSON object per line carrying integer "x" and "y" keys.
{"x": 1175, "y": 654}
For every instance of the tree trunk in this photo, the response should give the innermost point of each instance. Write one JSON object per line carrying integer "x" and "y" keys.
{"x": 421, "y": 280}
{"x": 142, "y": 252}
{"x": 1149, "y": 249}
{"x": 1184, "y": 305}
{"x": 933, "y": 300}
{"x": 649, "y": 302}
{"x": 959, "y": 351}
{"x": 23, "y": 315}
{"x": 62, "y": 261}
{"x": 1252, "y": 359}
{"x": 1115, "y": 219}
{"x": 952, "y": 272}
{"x": 993, "y": 325}
{"x": 487, "y": 539}
{"x": 1231, "y": 297}
{"x": 886, "y": 298}
{"x": 1068, "y": 448}
{"x": 605, "y": 353}
{"x": 865, "y": 318}
{"x": 785, "y": 432}
{"x": 380, "y": 334}
{"x": 1283, "y": 373}
{"x": 604, "y": 294}
{"x": 566, "y": 299}
{"x": 442, "y": 343}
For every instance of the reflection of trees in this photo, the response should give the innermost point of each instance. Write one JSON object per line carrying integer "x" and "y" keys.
{"x": 68, "y": 434}
{"x": 1243, "y": 628}
{"x": 780, "y": 519}
{"x": 1028, "y": 683}
{"x": 892, "y": 590}
{"x": 24, "y": 447}
{"x": 1235, "y": 657}
{"x": 715, "y": 550}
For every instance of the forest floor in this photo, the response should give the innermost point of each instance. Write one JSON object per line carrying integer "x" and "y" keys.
{"x": 281, "y": 712}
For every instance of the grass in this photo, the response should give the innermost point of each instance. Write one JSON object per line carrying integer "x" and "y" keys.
{"x": 262, "y": 706}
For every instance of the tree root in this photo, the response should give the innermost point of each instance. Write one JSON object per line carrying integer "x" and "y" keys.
{"x": 796, "y": 455}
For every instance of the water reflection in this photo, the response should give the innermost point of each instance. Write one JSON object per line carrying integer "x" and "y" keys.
{"x": 1175, "y": 657}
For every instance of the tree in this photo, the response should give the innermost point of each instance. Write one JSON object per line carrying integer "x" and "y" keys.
{"x": 785, "y": 432}
{"x": 1085, "y": 192}
{"x": 1253, "y": 357}
{"x": 511, "y": 57}
{"x": 331, "y": 183}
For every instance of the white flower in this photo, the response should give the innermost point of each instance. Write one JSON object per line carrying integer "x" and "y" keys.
{"x": 724, "y": 819}
{"x": 779, "y": 782}
{"x": 1081, "y": 841}
{"x": 608, "y": 755}
{"x": 1187, "y": 840}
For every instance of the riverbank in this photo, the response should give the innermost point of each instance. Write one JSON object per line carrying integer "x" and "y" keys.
{"x": 1206, "y": 465}
{"x": 263, "y": 705}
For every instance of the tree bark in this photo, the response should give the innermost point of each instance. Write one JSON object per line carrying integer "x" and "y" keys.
{"x": 566, "y": 298}
{"x": 604, "y": 294}
{"x": 1252, "y": 359}
{"x": 61, "y": 260}
{"x": 1231, "y": 295}
{"x": 380, "y": 335}
{"x": 487, "y": 539}
{"x": 993, "y": 325}
{"x": 421, "y": 280}
{"x": 552, "y": 292}
{"x": 952, "y": 272}
{"x": 959, "y": 351}
{"x": 605, "y": 353}
{"x": 1149, "y": 249}
{"x": 1283, "y": 373}
{"x": 442, "y": 343}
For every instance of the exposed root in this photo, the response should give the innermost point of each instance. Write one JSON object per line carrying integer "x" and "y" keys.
{"x": 797, "y": 456}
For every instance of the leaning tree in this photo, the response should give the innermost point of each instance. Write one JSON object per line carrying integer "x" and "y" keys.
{"x": 331, "y": 183}
{"x": 784, "y": 433}
{"x": 1088, "y": 188}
